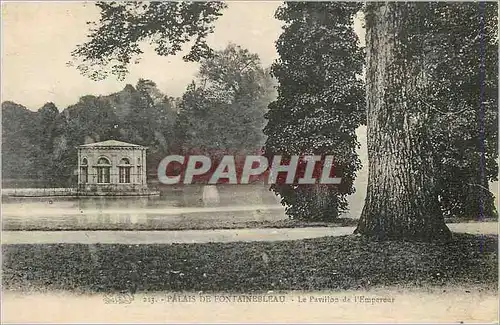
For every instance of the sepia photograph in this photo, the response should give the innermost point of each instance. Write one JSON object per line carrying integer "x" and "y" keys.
{"x": 249, "y": 162}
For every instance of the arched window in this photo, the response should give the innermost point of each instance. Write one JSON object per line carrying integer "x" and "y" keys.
{"x": 103, "y": 167}
{"x": 84, "y": 171}
{"x": 103, "y": 161}
{"x": 124, "y": 170}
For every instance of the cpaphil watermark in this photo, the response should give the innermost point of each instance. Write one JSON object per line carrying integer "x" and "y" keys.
{"x": 231, "y": 169}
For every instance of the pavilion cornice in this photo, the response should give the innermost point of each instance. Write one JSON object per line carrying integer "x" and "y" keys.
{"x": 113, "y": 148}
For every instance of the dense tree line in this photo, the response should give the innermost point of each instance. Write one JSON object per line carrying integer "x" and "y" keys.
{"x": 460, "y": 53}
{"x": 40, "y": 146}
{"x": 222, "y": 111}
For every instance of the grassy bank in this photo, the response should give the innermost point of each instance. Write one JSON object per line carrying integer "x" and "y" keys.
{"x": 330, "y": 263}
{"x": 167, "y": 223}
{"x": 185, "y": 223}
{"x": 469, "y": 220}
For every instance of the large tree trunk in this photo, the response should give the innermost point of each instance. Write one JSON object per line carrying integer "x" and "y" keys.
{"x": 401, "y": 200}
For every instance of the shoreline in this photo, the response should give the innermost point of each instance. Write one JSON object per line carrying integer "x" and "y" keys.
{"x": 182, "y": 222}
{"x": 70, "y": 192}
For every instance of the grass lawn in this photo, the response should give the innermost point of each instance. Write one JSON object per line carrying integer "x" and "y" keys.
{"x": 329, "y": 263}
{"x": 468, "y": 220}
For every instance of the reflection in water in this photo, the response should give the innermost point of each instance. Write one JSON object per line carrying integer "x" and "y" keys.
{"x": 138, "y": 221}
{"x": 186, "y": 196}
{"x": 175, "y": 207}
{"x": 210, "y": 195}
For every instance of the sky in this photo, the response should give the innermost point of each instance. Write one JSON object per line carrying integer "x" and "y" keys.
{"x": 38, "y": 37}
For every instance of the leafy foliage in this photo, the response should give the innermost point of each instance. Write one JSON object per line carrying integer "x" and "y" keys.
{"x": 320, "y": 102}
{"x": 19, "y": 136}
{"x": 115, "y": 40}
{"x": 222, "y": 111}
{"x": 457, "y": 47}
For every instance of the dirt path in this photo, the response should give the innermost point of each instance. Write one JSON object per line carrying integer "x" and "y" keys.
{"x": 202, "y": 236}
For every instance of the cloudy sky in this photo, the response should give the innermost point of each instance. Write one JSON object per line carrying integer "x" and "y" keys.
{"x": 38, "y": 37}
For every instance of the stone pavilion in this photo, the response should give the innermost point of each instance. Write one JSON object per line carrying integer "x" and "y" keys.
{"x": 112, "y": 168}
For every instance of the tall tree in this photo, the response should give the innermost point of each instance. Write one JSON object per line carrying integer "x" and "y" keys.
{"x": 320, "y": 102}
{"x": 419, "y": 67}
{"x": 223, "y": 109}
{"x": 46, "y": 129}
{"x": 401, "y": 200}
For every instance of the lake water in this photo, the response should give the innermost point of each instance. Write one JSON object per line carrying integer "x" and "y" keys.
{"x": 175, "y": 206}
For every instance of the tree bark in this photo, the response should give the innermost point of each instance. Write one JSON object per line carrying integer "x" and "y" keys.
{"x": 401, "y": 200}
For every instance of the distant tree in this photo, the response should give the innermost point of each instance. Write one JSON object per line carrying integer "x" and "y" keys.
{"x": 223, "y": 109}
{"x": 157, "y": 114}
{"x": 150, "y": 92}
{"x": 320, "y": 102}
{"x": 19, "y": 136}
{"x": 46, "y": 128}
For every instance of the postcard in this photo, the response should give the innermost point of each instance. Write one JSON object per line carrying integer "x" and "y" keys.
{"x": 249, "y": 162}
